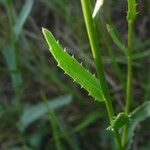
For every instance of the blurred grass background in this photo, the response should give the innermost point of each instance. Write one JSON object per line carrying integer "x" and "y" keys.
{"x": 40, "y": 107}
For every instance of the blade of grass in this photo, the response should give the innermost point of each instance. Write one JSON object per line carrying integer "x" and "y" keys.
{"x": 113, "y": 58}
{"x": 54, "y": 125}
{"x": 10, "y": 50}
{"x": 33, "y": 113}
{"x": 57, "y": 129}
{"x": 116, "y": 40}
{"x": 8, "y": 54}
{"x": 20, "y": 20}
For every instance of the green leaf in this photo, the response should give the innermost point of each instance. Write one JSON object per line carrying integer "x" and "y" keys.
{"x": 54, "y": 123}
{"x": 97, "y": 7}
{"x": 119, "y": 121}
{"x": 138, "y": 115}
{"x": 33, "y": 113}
{"x": 116, "y": 40}
{"x": 58, "y": 130}
{"x": 73, "y": 68}
{"x": 11, "y": 62}
{"x": 22, "y": 17}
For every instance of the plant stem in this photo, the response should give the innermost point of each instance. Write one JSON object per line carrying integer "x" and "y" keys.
{"x": 129, "y": 79}
{"x": 90, "y": 26}
{"x": 131, "y": 14}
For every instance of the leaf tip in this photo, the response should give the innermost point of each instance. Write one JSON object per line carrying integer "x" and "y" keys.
{"x": 47, "y": 34}
{"x": 44, "y": 30}
{"x": 65, "y": 50}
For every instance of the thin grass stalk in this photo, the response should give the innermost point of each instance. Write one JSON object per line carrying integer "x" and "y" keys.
{"x": 11, "y": 17}
{"x": 53, "y": 121}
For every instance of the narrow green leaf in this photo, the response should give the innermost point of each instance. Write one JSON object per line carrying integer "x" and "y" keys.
{"x": 10, "y": 58}
{"x": 22, "y": 17}
{"x": 73, "y": 68}
{"x": 97, "y": 7}
{"x": 119, "y": 121}
{"x": 54, "y": 124}
{"x": 33, "y": 113}
{"x": 58, "y": 130}
{"x": 116, "y": 40}
{"x": 138, "y": 115}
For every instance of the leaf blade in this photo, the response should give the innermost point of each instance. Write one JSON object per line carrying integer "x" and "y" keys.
{"x": 138, "y": 115}
{"x": 73, "y": 68}
{"x": 33, "y": 113}
{"x": 119, "y": 121}
{"x": 116, "y": 40}
{"x": 26, "y": 9}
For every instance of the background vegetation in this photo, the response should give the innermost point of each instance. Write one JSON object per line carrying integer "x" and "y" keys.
{"x": 40, "y": 108}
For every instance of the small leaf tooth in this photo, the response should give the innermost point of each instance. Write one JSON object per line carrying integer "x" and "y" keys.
{"x": 89, "y": 94}
{"x": 88, "y": 71}
{"x": 94, "y": 75}
{"x": 74, "y": 80}
{"x": 57, "y": 41}
{"x": 72, "y": 56}
{"x": 58, "y": 65}
{"x": 65, "y": 49}
{"x": 81, "y": 87}
{"x": 65, "y": 72}
{"x": 81, "y": 63}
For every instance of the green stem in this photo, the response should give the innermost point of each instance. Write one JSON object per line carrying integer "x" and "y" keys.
{"x": 131, "y": 14}
{"x": 129, "y": 79}
{"x": 90, "y": 26}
